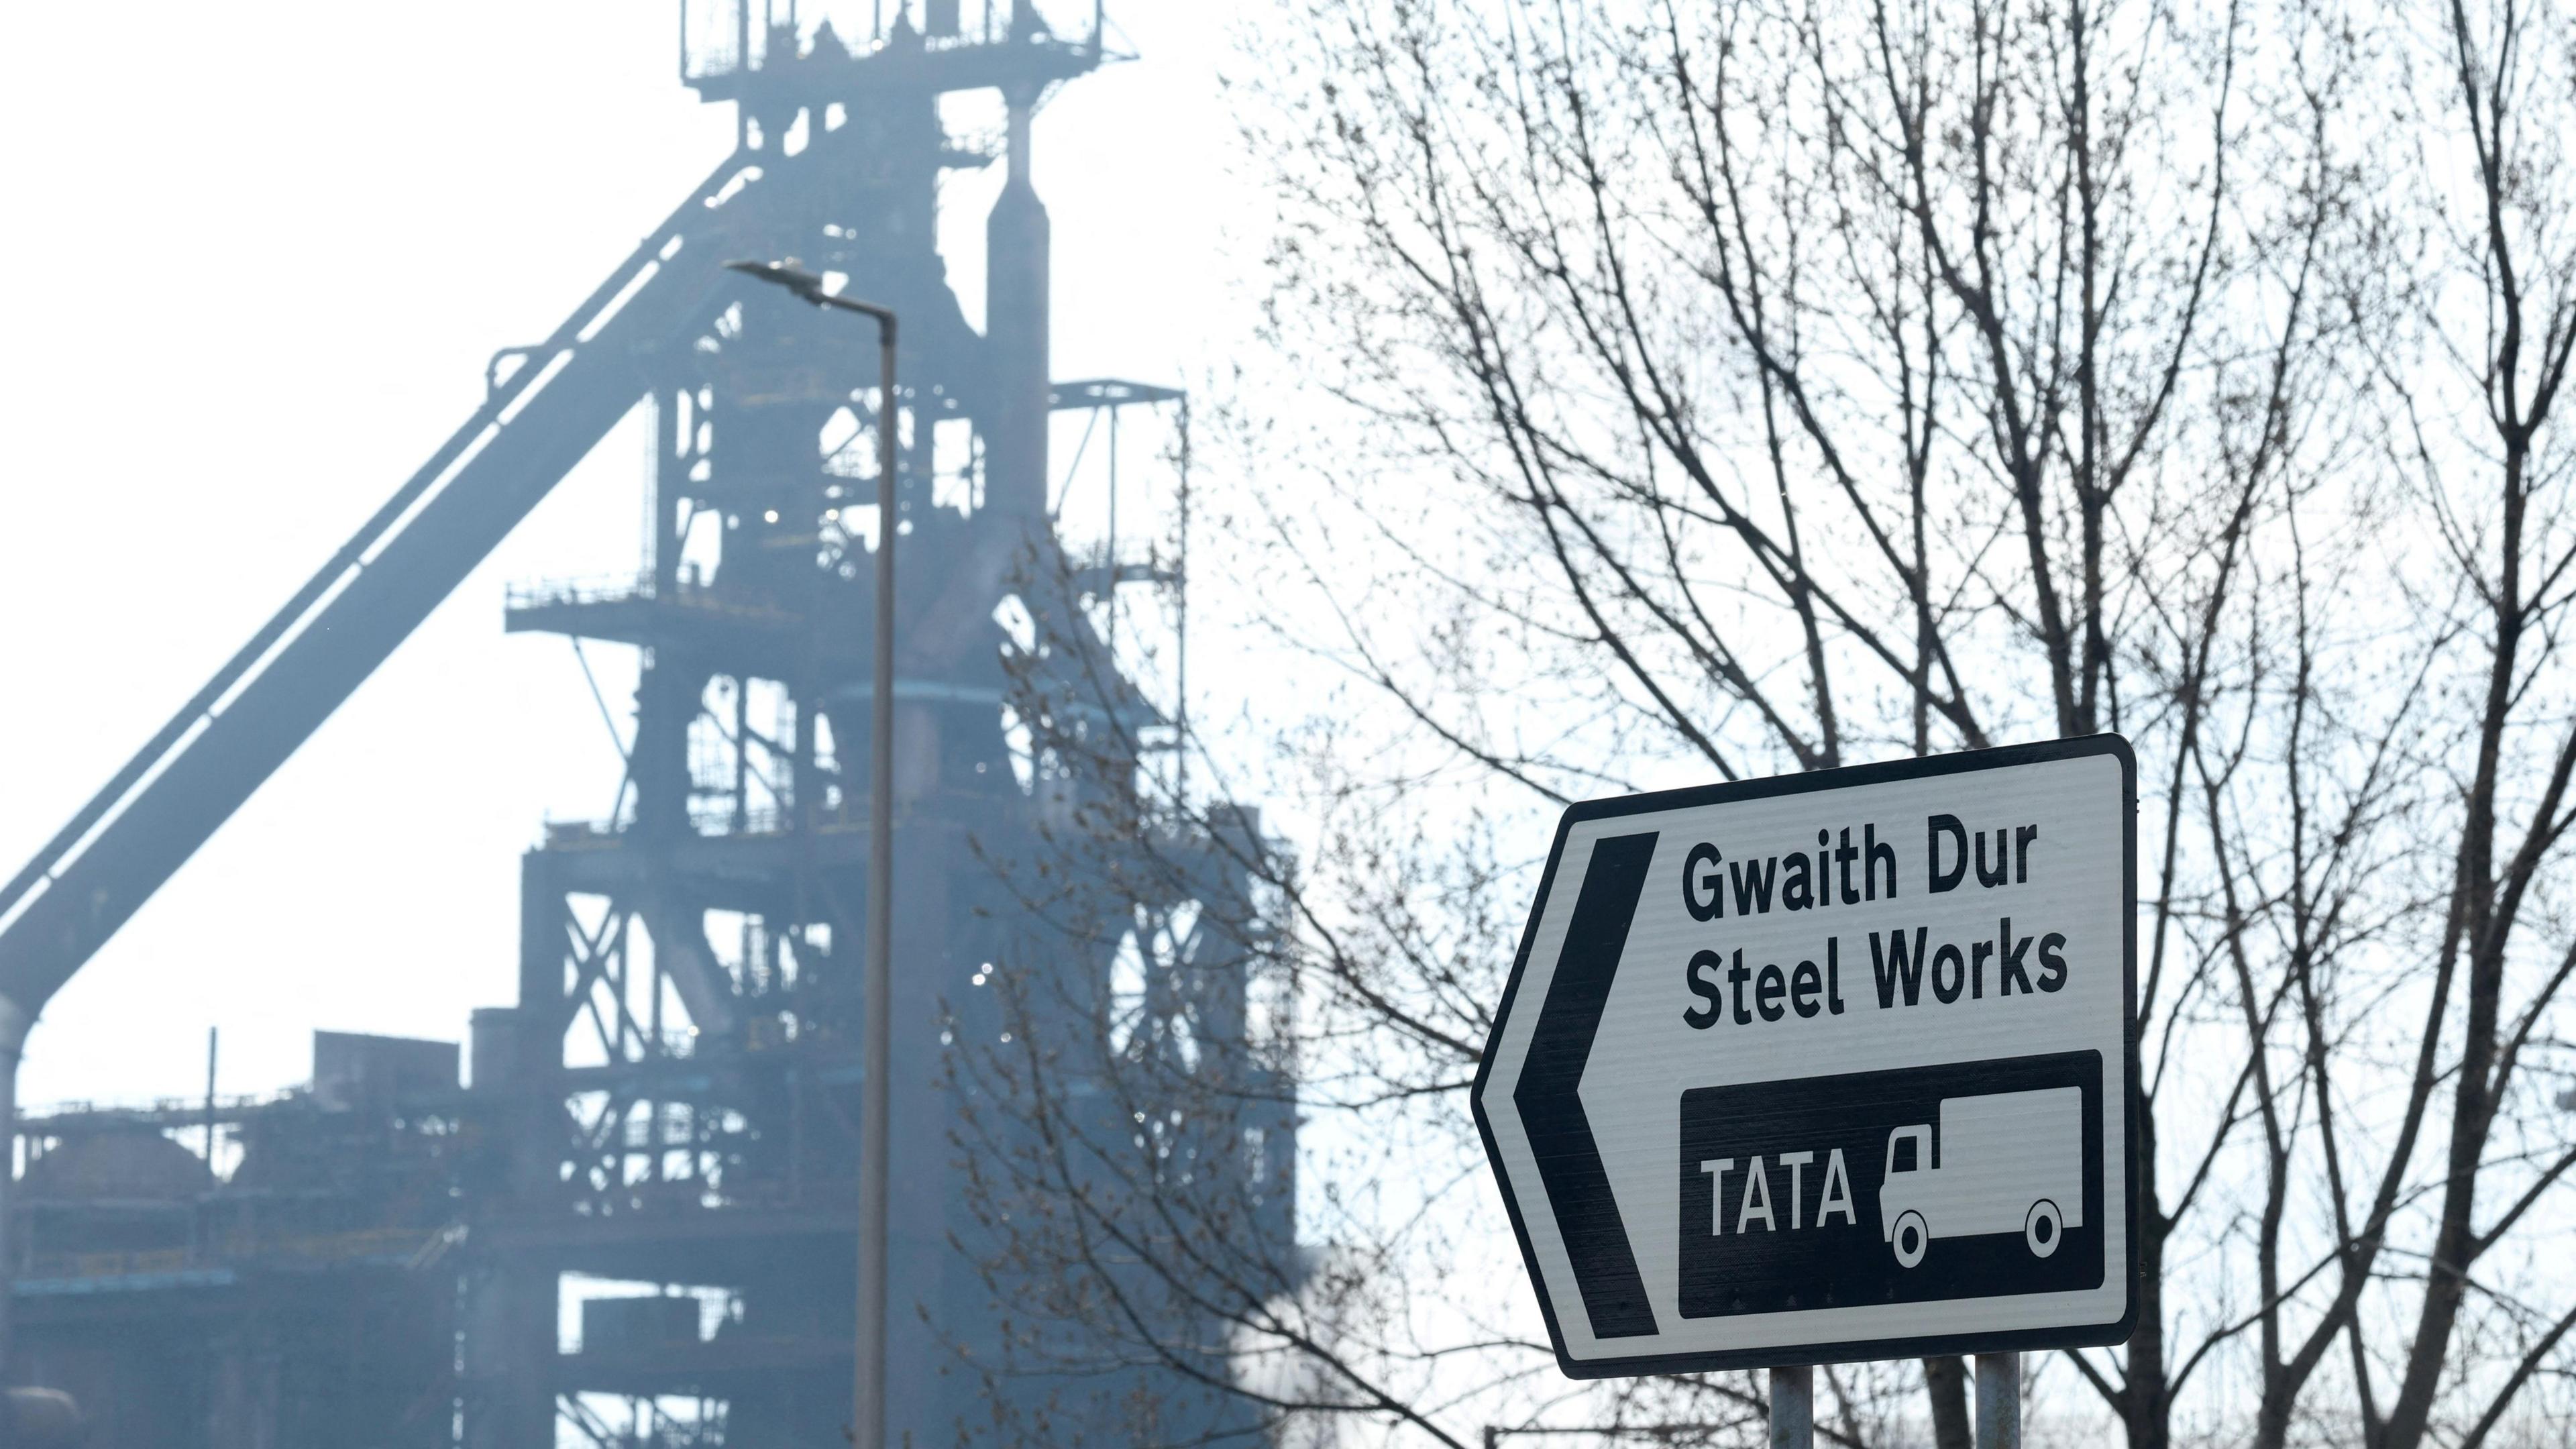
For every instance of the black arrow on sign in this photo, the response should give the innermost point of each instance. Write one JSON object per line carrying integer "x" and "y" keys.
{"x": 1560, "y": 1136}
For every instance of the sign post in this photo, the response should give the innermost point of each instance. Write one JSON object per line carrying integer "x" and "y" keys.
{"x": 1830, "y": 1067}
{"x": 1793, "y": 1408}
{"x": 1998, "y": 1401}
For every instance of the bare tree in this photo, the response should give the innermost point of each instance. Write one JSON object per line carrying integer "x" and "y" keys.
{"x": 1731, "y": 388}
{"x": 2456, "y": 749}
{"x": 1824, "y": 385}
{"x": 2498, "y": 324}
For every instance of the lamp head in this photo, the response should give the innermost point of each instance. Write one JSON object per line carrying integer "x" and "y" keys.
{"x": 783, "y": 274}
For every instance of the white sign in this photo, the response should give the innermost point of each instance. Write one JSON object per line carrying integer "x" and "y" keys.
{"x": 1828, "y": 1067}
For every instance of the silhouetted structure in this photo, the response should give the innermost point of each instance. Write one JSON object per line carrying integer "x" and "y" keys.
{"x": 670, "y": 1102}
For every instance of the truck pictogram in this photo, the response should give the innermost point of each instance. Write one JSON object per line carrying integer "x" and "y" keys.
{"x": 2006, "y": 1162}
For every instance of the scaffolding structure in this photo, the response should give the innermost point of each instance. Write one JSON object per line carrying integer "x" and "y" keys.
{"x": 389, "y": 1257}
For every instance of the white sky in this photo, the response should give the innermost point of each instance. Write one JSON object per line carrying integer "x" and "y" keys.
{"x": 258, "y": 258}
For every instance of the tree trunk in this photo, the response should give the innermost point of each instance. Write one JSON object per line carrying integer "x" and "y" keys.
{"x": 1945, "y": 1382}
{"x": 2145, "y": 1392}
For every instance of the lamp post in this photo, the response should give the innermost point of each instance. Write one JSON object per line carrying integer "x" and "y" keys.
{"x": 867, "y": 1403}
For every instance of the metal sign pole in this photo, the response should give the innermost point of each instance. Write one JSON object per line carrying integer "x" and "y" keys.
{"x": 876, "y": 1042}
{"x": 1793, "y": 1408}
{"x": 876, "y": 1088}
{"x": 1998, "y": 1401}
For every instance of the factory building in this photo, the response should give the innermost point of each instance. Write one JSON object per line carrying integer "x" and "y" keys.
{"x": 620, "y": 1209}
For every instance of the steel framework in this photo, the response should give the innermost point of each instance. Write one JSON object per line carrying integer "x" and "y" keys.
{"x": 671, "y": 1101}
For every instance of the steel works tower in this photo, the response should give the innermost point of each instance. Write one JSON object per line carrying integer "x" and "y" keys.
{"x": 671, "y": 1102}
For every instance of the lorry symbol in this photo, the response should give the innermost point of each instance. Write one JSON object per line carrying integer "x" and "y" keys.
{"x": 2011, "y": 1161}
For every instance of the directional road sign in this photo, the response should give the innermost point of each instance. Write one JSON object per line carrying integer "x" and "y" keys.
{"x": 1831, "y": 1066}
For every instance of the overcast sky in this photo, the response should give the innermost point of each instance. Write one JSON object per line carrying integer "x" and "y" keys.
{"x": 260, "y": 255}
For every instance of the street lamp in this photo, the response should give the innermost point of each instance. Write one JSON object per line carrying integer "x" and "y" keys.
{"x": 867, "y": 1406}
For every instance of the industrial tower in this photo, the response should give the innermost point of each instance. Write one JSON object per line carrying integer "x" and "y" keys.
{"x": 671, "y": 1100}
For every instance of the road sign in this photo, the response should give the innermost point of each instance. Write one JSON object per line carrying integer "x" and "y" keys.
{"x": 1831, "y": 1066}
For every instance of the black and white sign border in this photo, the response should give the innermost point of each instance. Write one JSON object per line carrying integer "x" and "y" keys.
{"x": 1843, "y": 1351}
